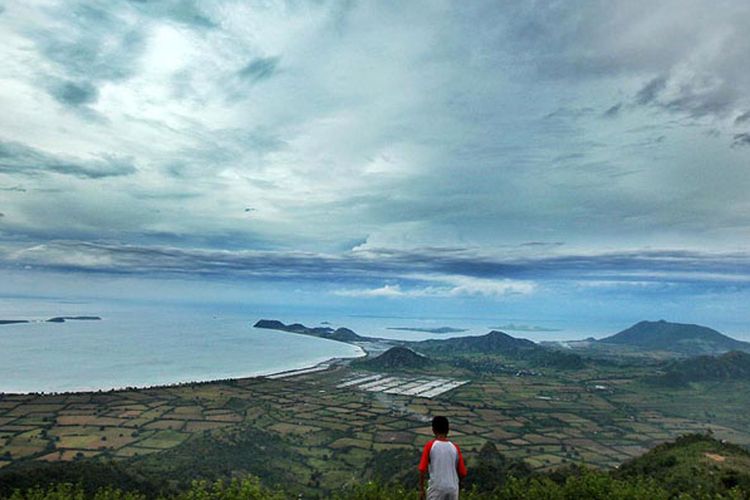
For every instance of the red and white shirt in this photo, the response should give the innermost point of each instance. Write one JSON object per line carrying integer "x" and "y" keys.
{"x": 445, "y": 463}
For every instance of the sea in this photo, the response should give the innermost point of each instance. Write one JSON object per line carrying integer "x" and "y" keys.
{"x": 144, "y": 345}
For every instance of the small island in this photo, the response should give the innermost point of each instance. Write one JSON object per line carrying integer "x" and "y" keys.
{"x": 63, "y": 319}
{"x": 442, "y": 329}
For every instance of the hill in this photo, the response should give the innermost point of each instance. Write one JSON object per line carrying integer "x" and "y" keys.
{"x": 501, "y": 343}
{"x": 685, "y": 339}
{"x": 734, "y": 365}
{"x": 340, "y": 334}
{"x": 395, "y": 358}
{"x": 693, "y": 463}
{"x": 495, "y": 341}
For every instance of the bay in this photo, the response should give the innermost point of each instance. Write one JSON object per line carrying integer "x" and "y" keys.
{"x": 143, "y": 347}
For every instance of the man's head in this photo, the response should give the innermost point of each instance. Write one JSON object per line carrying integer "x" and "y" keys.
{"x": 440, "y": 426}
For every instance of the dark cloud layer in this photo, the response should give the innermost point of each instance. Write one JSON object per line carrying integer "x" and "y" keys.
{"x": 691, "y": 56}
{"x": 96, "y": 44}
{"x": 99, "y": 43}
{"x": 16, "y": 158}
{"x": 744, "y": 117}
{"x": 650, "y": 92}
{"x": 75, "y": 94}
{"x": 259, "y": 69}
{"x": 613, "y": 111}
{"x": 382, "y": 264}
{"x": 185, "y": 12}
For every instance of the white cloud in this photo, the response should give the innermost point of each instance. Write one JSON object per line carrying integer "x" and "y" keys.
{"x": 465, "y": 285}
{"x": 383, "y": 291}
{"x": 447, "y": 286}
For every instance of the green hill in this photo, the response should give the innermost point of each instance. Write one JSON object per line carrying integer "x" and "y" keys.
{"x": 685, "y": 339}
{"x": 695, "y": 463}
{"x": 500, "y": 343}
{"x": 734, "y": 365}
{"x": 395, "y": 358}
{"x": 495, "y": 341}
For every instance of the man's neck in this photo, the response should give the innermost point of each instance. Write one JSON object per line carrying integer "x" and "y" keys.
{"x": 441, "y": 437}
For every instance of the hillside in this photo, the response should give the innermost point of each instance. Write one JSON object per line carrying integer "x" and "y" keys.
{"x": 500, "y": 343}
{"x": 685, "y": 339}
{"x": 340, "y": 334}
{"x": 693, "y": 463}
{"x": 395, "y": 358}
{"x": 494, "y": 341}
{"x": 734, "y": 365}
{"x": 242, "y": 450}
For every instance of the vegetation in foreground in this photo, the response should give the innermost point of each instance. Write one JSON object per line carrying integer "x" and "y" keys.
{"x": 588, "y": 485}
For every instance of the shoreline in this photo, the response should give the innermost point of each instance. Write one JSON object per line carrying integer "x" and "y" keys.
{"x": 277, "y": 374}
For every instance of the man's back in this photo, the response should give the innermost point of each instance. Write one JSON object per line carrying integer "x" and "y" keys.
{"x": 444, "y": 462}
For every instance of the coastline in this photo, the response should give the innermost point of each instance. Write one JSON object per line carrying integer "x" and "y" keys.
{"x": 316, "y": 366}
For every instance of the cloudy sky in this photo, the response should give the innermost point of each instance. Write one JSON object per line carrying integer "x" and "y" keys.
{"x": 533, "y": 158}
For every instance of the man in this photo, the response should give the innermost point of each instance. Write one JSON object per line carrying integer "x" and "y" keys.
{"x": 444, "y": 462}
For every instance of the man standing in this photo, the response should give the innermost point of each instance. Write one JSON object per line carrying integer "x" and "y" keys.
{"x": 444, "y": 462}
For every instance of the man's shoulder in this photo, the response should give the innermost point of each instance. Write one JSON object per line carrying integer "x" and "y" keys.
{"x": 429, "y": 444}
{"x": 443, "y": 444}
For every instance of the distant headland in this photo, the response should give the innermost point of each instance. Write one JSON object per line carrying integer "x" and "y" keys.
{"x": 340, "y": 334}
{"x": 55, "y": 319}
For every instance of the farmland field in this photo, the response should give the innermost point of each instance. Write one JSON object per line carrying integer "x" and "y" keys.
{"x": 596, "y": 416}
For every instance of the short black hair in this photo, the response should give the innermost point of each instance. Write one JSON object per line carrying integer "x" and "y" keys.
{"x": 440, "y": 425}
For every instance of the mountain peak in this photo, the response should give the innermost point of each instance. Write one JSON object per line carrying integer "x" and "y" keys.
{"x": 688, "y": 339}
{"x": 396, "y": 358}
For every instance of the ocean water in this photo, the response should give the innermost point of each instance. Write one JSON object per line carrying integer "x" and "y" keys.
{"x": 145, "y": 347}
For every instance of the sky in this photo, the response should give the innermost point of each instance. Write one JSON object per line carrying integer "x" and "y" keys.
{"x": 555, "y": 160}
